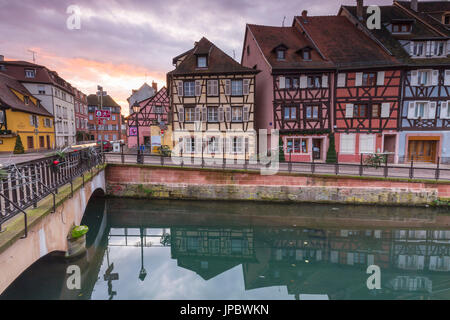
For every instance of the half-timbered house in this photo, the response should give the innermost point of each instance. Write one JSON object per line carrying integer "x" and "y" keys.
{"x": 155, "y": 123}
{"x": 213, "y": 104}
{"x": 294, "y": 89}
{"x": 416, "y": 33}
{"x": 366, "y": 91}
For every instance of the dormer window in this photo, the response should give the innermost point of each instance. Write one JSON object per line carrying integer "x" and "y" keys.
{"x": 202, "y": 62}
{"x": 418, "y": 50}
{"x": 26, "y": 99}
{"x": 401, "y": 28}
{"x": 439, "y": 48}
{"x": 306, "y": 54}
{"x": 446, "y": 20}
{"x": 29, "y": 73}
{"x": 281, "y": 54}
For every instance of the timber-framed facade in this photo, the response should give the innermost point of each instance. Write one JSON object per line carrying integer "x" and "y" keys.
{"x": 213, "y": 104}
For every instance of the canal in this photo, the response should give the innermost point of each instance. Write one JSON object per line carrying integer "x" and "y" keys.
{"x": 140, "y": 249}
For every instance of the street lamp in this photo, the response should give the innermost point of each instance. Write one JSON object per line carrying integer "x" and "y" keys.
{"x": 136, "y": 109}
{"x": 142, "y": 272}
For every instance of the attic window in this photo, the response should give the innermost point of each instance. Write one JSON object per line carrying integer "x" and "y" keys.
{"x": 202, "y": 62}
{"x": 26, "y": 99}
{"x": 446, "y": 20}
{"x": 29, "y": 73}
{"x": 306, "y": 54}
{"x": 401, "y": 28}
{"x": 281, "y": 54}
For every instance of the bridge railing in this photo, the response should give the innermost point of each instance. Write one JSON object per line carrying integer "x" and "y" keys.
{"x": 23, "y": 185}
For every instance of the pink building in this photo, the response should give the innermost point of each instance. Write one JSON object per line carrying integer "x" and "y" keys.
{"x": 154, "y": 122}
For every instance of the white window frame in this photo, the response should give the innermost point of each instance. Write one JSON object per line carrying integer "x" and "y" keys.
{"x": 213, "y": 114}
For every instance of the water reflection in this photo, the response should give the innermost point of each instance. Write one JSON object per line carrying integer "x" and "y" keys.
{"x": 161, "y": 250}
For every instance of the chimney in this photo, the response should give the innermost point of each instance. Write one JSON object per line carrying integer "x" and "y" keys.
{"x": 2, "y": 58}
{"x": 305, "y": 14}
{"x": 155, "y": 86}
{"x": 415, "y": 5}
{"x": 360, "y": 9}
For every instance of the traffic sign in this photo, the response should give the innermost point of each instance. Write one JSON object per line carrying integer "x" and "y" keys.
{"x": 102, "y": 113}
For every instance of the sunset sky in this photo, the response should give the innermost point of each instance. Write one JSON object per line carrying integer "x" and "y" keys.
{"x": 122, "y": 44}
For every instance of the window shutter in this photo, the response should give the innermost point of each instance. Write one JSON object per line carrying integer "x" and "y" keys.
{"x": 181, "y": 115}
{"x": 204, "y": 114}
{"x": 432, "y": 110}
{"x": 401, "y": 261}
{"x": 180, "y": 88}
{"x": 228, "y": 114}
{"x": 420, "y": 262}
{"x": 209, "y": 87}
{"x": 198, "y": 88}
{"x": 447, "y": 77}
{"x": 433, "y": 263}
{"x": 303, "y": 82}
{"x": 350, "y": 258}
{"x": 215, "y": 89}
{"x": 380, "y": 78}
{"x": 349, "y": 110}
{"x": 341, "y": 79}
{"x": 347, "y": 143}
{"x": 414, "y": 78}
{"x": 221, "y": 115}
{"x": 226, "y": 142}
{"x": 411, "y": 110}
{"x": 197, "y": 114}
{"x": 358, "y": 79}
{"x": 282, "y": 82}
{"x": 325, "y": 81}
{"x": 31, "y": 120}
{"x": 444, "y": 110}
{"x": 227, "y": 87}
{"x": 385, "y": 110}
{"x": 198, "y": 145}
{"x": 37, "y": 121}
{"x": 246, "y": 86}
{"x": 434, "y": 77}
{"x": 245, "y": 116}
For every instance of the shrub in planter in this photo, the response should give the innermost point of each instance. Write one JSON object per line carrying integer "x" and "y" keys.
{"x": 18, "y": 148}
{"x": 79, "y": 231}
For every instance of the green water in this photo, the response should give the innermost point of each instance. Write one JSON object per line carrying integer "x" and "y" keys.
{"x": 218, "y": 250}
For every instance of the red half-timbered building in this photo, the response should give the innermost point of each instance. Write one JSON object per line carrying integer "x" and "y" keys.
{"x": 294, "y": 89}
{"x": 367, "y": 87}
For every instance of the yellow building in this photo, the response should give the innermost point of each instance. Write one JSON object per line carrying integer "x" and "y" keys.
{"x": 21, "y": 114}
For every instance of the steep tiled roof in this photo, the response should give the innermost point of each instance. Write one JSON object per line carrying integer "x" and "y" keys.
{"x": 344, "y": 44}
{"x": 93, "y": 100}
{"x": 9, "y": 99}
{"x": 269, "y": 38}
{"x": 16, "y": 69}
{"x": 218, "y": 61}
{"x": 392, "y": 42}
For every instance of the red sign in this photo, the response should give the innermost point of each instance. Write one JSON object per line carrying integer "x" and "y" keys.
{"x": 102, "y": 114}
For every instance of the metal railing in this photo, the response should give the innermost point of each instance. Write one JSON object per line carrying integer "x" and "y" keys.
{"x": 23, "y": 185}
{"x": 410, "y": 170}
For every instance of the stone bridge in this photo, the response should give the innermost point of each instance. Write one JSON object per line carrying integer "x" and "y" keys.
{"x": 47, "y": 231}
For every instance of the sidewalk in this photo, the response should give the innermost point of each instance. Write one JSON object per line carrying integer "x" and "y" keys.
{"x": 10, "y": 158}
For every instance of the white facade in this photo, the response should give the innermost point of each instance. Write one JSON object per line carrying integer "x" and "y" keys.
{"x": 61, "y": 105}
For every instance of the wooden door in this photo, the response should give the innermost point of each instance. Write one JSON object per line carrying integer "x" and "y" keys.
{"x": 48, "y": 142}
{"x": 317, "y": 149}
{"x": 422, "y": 150}
{"x": 30, "y": 144}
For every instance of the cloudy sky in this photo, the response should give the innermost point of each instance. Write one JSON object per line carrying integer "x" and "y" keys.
{"x": 122, "y": 44}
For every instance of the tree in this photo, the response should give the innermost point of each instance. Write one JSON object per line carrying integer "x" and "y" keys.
{"x": 331, "y": 153}
{"x": 18, "y": 148}
{"x": 281, "y": 148}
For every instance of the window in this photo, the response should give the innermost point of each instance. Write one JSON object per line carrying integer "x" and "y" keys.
{"x": 312, "y": 112}
{"x": 114, "y": 137}
{"x": 237, "y": 145}
{"x": 236, "y": 114}
{"x": 236, "y": 88}
{"x": 446, "y": 19}
{"x": 29, "y": 73}
{"x": 290, "y": 113}
{"x": 41, "y": 89}
{"x": 281, "y": 54}
{"x": 158, "y": 110}
{"x": 360, "y": 111}
{"x": 295, "y": 83}
{"x": 367, "y": 143}
{"x": 212, "y": 87}
{"x": 314, "y": 81}
{"x": 376, "y": 110}
{"x": 91, "y": 117}
{"x": 248, "y": 50}
{"x": 2, "y": 116}
{"x": 347, "y": 144}
{"x": 202, "y": 62}
{"x": 287, "y": 83}
{"x": 306, "y": 54}
{"x": 401, "y": 28}
{"x": 189, "y": 114}
{"x": 213, "y": 114}
{"x": 113, "y": 118}
{"x": 439, "y": 48}
{"x": 419, "y": 111}
{"x": 296, "y": 145}
{"x": 213, "y": 145}
{"x": 369, "y": 79}
{"x": 418, "y": 49}
{"x": 189, "y": 144}
{"x": 423, "y": 77}
{"x": 26, "y": 99}
{"x": 189, "y": 88}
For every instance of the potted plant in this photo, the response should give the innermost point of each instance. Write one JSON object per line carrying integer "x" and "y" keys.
{"x": 76, "y": 241}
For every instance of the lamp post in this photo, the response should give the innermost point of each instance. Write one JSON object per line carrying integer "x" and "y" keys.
{"x": 136, "y": 109}
{"x": 142, "y": 272}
